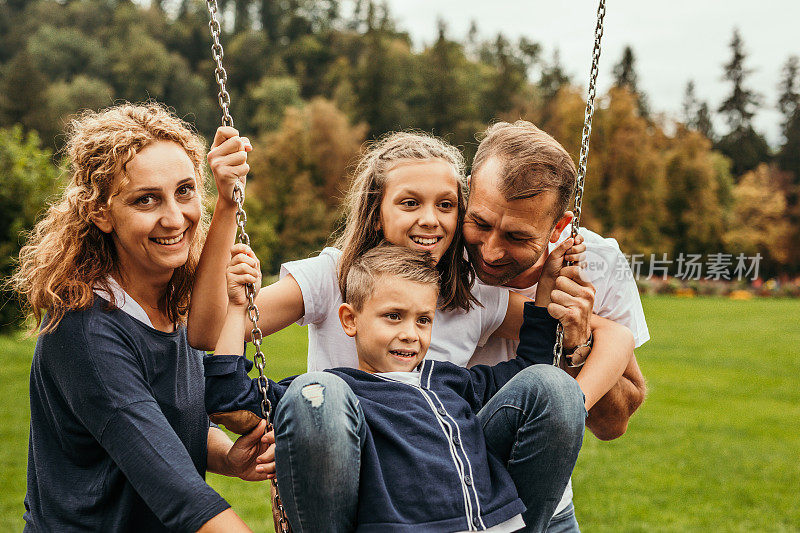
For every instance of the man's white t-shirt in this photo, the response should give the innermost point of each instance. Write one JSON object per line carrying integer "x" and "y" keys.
{"x": 454, "y": 337}
{"x": 616, "y": 298}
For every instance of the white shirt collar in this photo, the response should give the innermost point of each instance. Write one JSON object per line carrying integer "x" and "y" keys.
{"x": 124, "y": 301}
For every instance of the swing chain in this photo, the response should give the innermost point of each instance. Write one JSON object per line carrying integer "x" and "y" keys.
{"x": 220, "y": 73}
{"x": 558, "y": 348}
{"x": 257, "y": 336}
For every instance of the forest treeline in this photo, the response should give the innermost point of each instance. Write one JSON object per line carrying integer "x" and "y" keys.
{"x": 312, "y": 80}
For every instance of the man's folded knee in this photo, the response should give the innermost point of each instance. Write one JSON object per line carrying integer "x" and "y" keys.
{"x": 550, "y": 381}
{"x": 559, "y": 395}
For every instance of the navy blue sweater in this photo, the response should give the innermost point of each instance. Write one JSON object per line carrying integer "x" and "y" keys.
{"x": 119, "y": 433}
{"x": 425, "y": 466}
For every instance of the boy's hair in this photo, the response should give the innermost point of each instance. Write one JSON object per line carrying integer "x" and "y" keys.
{"x": 66, "y": 255}
{"x": 363, "y": 205}
{"x": 532, "y": 162}
{"x": 387, "y": 260}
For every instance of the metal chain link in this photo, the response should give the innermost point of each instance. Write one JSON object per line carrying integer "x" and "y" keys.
{"x": 259, "y": 359}
{"x": 558, "y": 348}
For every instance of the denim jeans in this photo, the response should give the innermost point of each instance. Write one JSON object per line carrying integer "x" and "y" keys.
{"x": 534, "y": 424}
{"x": 564, "y": 522}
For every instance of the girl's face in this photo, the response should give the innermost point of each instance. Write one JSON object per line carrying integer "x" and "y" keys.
{"x": 420, "y": 206}
{"x": 154, "y": 216}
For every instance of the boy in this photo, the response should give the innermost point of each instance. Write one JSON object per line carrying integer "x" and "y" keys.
{"x": 423, "y": 462}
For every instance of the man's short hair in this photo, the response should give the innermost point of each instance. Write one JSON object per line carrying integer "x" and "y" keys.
{"x": 531, "y": 162}
{"x": 387, "y": 260}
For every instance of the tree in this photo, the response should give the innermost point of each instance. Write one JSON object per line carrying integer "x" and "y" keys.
{"x": 269, "y": 99}
{"x": 553, "y": 77}
{"x": 759, "y": 218}
{"x": 698, "y": 193}
{"x": 625, "y": 77}
{"x": 444, "y": 94}
{"x": 381, "y": 79}
{"x": 696, "y": 114}
{"x": 625, "y": 73}
{"x": 62, "y": 53}
{"x": 739, "y": 107}
{"x": 743, "y": 145}
{"x": 298, "y": 173}
{"x": 507, "y": 77}
{"x": 788, "y": 157}
{"x": 29, "y": 177}
{"x": 628, "y": 175}
{"x": 22, "y": 95}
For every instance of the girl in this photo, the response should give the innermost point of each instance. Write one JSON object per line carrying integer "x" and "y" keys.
{"x": 119, "y": 437}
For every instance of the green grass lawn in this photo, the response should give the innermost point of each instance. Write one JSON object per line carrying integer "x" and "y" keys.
{"x": 716, "y": 446}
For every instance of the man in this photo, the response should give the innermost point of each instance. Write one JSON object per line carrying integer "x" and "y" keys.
{"x": 520, "y": 189}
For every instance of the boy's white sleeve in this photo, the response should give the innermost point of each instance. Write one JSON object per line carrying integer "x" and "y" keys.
{"x": 318, "y": 281}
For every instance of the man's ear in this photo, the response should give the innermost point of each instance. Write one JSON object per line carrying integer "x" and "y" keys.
{"x": 469, "y": 181}
{"x": 102, "y": 219}
{"x": 347, "y": 316}
{"x": 562, "y": 222}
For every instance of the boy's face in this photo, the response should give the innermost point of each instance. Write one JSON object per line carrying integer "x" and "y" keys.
{"x": 393, "y": 329}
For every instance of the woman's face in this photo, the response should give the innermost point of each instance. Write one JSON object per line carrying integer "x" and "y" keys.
{"x": 420, "y": 206}
{"x": 154, "y": 216}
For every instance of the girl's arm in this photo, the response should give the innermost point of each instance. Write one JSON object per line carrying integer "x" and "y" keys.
{"x": 280, "y": 303}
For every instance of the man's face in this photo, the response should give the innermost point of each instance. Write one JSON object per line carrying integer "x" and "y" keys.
{"x": 506, "y": 238}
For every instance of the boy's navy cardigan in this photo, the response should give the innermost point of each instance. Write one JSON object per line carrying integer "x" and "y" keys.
{"x": 424, "y": 464}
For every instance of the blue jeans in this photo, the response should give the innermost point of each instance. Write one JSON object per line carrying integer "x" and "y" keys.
{"x": 564, "y": 522}
{"x": 534, "y": 424}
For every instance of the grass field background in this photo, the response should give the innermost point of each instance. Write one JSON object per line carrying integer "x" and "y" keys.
{"x": 715, "y": 447}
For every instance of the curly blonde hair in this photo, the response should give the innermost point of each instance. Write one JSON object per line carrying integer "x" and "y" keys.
{"x": 66, "y": 255}
{"x": 363, "y": 205}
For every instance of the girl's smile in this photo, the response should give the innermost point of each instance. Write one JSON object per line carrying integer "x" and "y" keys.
{"x": 420, "y": 206}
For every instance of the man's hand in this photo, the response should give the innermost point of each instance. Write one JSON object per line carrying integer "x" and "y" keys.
{"x": 572, "y": 301}
{"x": 228, "y": 161}
{"x": 252, "y": 456}
{"x": 243, "y": 268}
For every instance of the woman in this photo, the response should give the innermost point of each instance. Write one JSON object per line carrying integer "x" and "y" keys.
{"x": 119, "y": 435}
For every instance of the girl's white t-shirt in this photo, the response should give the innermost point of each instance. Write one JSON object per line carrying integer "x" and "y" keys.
{"x": 455, "y": 334}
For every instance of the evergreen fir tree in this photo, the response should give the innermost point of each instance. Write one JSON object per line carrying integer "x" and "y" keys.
{"x": 743, "y": 145}
{"x": 625, "y": 77}
{"x": 789, "y": 106}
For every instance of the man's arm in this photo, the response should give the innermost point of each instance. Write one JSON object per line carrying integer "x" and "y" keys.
{"x": 608, "y": 418}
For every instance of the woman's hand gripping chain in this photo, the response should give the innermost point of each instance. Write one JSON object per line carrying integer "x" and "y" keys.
{"x": 228, "y": 161}
{"x": 244, "y": 268}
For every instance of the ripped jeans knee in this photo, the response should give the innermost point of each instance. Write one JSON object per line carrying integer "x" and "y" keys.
{"x": 320, "y": 407}
{"x": 319, "y": 432}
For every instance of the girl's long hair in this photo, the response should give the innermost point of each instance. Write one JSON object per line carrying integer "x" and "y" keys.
{"x": 66, "y": 256}
{"x": 363, "y": 202}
